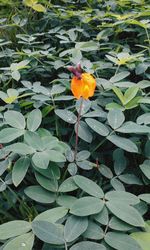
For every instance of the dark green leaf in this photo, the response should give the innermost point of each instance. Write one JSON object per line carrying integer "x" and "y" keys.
{"x": 121, "y": 241}
{"x": 48, "y": 232}
{"x": 97, "y": 126}
{"x": 86, "y": 206}
{"x": 126, "y": 213}
{"x": 74, "y": 227}
{"x": 123, "y": 143}
{"x": 115, "y": 118}
{"x": 52, "y": 215}
{"x": 66, "y": 115}
{"x": 14, "y": 228}
{"x": 88, "y": 186}
{"x": 19, "y": 170}
{"x": 15, "y": 119}
{"x": 39, "y": 194}
{"x": 87, "y": 245}
{"x": 34, "y": 120}
{"x": 10, "y": 134}
{"x": 22, "y": 242}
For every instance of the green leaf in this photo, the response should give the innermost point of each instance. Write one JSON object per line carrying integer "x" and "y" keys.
{"x": 82, "y": 155}
{"x": 34, "y": 140}
{"x": 53, "y": 171}
{"x": 115, "y": 118}
{"x": 119, "y": 94}
{"x": 120, "y": 76}
{"x": 52, "y": 215}
{"x": 123, "y": 143}
{"x": 130, "y": 94}
{"x": 19, "y": 170}
{"x": 88, "y": 186}
{"x": 145, "y": 197}
{"x": 84, "y": 132}
{"x": 130, "y": 179}
{"x": 102, "y": 217}
{"x": 29, "y": 3}
{"x": 93, "y": 231}
{"x": 66, "y": 200}
{"x": 113, "y": 105}
{"x": 41, "y": 159}
{"x": 48, "y": 232}
{"x": 56, "y": 156}
{"x": 14, "y": 228}
{"x": 86, "y": 206}
{"x": 145, "y": 100}
{"x": 126, "y": 213}
{"x": 85, "y": 164}
{"x": 145, "y": 168}
{"x": 39, "y": 8}
{"x": 74, "y": 227}
{"x": 39, "y": 194}
{"x": 68, "y": 185}
{"x": 72, "y": 168}
{"x": 132, "y": 127}
{"x": 86, "y": 104}
{"x": 121, "y": 196}
{"x": 120, "y": 161}
{"x": 48, "y": 184}
{"x": 119, "y": 225}
{"x": 121, "y": 241}
{"x": 87, "y": 46}
{"x": 147, "y": 149}
{"x": 97, "y": 126}
{"x": 87, "y": 245}
{"x": 20, "y": 148}
{"x": 143, "y": 239}
{"x": 34, "y": 120}
{"x": 117, "y": 185}
{"x": 10, "y": 134}
{"x": 16, "y": 75}
{"x": 105, "y": 171}
{"x": 66, "y": 115}
{"x": 15, "y": 119}
{"x": 133, "y": 103}
{"x": 143, "y": 119}
{"x": 22, "y": 242}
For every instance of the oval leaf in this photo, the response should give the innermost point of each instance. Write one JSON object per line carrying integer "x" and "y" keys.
{"x": 14, "y": 228}
{"x": 48, "y": 232}
{"x": 86, "y": 206}
{"x": 88, "y": 186}
{"x": 66, "y": 115}
{"x": 34, "y": 120}
{"x": 15, "y": 119}
{"x": 39, "y": 194}
{"x": 97, "y": 126}
{"x": 74, "y": 227}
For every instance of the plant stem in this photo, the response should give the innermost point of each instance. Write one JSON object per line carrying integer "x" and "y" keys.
{"x": 77, "y": 129}
{"x": 66, "y": 247}
{"x": 117, "y": 69}
{"x": 147, "y": 34}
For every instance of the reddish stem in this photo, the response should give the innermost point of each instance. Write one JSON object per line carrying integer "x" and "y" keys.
{"x": 77, "y": 129}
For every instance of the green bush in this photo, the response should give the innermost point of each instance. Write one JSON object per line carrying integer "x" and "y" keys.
{"x": 75, "y": 174}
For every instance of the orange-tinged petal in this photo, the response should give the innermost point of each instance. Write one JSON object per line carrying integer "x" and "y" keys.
{"x": 76, "y": 87}
{"x": 83, "y": 87}
{"x": 86, "y": 92}
{"x": 89, "y": 80}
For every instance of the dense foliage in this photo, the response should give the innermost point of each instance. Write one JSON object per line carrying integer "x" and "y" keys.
{"x": 74, "y": 174}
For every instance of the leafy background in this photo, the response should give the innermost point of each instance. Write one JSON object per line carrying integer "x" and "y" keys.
{"x": 50, "y": 200}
